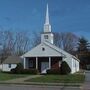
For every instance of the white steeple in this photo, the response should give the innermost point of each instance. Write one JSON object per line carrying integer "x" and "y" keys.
{"x": 47, "y": 16}
{"x": 47, "y": 26}
{"x": 47, "y": 35}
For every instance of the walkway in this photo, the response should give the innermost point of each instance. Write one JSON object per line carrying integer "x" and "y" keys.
{"x": 86, "y": 85}
{"x": 21, "y": 80}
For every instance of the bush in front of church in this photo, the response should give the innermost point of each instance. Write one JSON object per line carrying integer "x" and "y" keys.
{"x": 25, "y": 71}
{"x": 54, "y": 71}
{"x": 65, "y": 69}
{"x": 30, "y": 71}
{"x": 20, "y": 70}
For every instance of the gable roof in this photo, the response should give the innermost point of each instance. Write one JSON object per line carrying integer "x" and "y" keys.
{"x": 50, "y": 50}
{"x": 39, "y": 52}
{"x": 60, "y": 50}
{"x": 56, "y": 48}
{"x": 12, "y": 60}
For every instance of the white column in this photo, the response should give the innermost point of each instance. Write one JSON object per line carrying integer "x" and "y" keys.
{"x": 36, "y": 63}
{"x": 49, "y": 62}
{"x": 24, "y": 63}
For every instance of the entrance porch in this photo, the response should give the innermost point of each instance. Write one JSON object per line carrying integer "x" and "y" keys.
{"x": 42, "y": 63}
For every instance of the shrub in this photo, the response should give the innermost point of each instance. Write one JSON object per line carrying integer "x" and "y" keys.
{"x": 13, "y": 71}
{"x": 29, "y": 71}
{"x": 53, "y": 71}
{"x": 65, "y": 69}
{"x": 19, "y": 66}
{"x": 20, "y": 70}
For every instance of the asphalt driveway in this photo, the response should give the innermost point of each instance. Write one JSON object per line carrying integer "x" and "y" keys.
{"x": 86, "y": 85}
{"x": 87, "y": 76}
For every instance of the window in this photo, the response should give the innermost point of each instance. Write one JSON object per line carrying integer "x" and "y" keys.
{"x": 9, "y": 65}
{"x": 46, "y": 36}
{"x": 43, "y": 49}
{"x": 30, "y": 63}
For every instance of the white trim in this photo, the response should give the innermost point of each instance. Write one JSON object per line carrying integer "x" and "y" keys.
{"x": 36, "y": 63}
{"x": 49, "y": 62}
{"x": 24, "y": 62}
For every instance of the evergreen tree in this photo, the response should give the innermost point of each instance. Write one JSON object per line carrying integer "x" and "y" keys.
{"x": 83, "y": 45}
{"x": 83, "y": 52}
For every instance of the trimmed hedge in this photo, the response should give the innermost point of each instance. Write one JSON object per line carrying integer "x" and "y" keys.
{"x": 65, "y": 69}
{"x": 53, "y": 71}
{"x": 30, "y": 71}
{"x": 20, "y": 70}
{"x": 25, "y": 71}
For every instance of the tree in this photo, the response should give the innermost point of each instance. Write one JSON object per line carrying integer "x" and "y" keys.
{"x": 6, "y": 41}
{"x": 67, "y": 41}
{"x": 83, "y": 45}
{"x": 22, "y": 43}
{"x": 36, "y": 39}
{"x": 13, "y": 43}
{"x": 83, "y": 52}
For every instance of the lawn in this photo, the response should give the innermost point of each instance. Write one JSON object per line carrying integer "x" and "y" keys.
{"x": 75, "y": 78}
{"x": 7, "y": 76}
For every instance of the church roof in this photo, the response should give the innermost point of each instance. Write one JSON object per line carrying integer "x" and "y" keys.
{"x": 49, "y": 50}
{"x": 43, "y": 50}
{"x": 64, "y": 53}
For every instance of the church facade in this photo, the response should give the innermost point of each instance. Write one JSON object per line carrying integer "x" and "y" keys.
{"x": 46, "y": 55}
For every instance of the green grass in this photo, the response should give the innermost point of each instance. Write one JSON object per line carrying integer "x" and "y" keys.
{"x": 75, "y": 78}
{"x": 7, "y": 76}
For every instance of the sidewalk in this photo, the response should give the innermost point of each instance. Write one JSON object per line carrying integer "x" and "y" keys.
{"x": 22, "y": 81}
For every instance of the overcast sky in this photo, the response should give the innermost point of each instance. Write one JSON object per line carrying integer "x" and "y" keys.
{"x": 65, "y": 15}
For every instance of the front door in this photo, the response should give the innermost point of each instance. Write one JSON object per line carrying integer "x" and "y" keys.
{"x": 44, "y": 67}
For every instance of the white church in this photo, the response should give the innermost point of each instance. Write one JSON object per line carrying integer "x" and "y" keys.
{"x": 46, "y": 55}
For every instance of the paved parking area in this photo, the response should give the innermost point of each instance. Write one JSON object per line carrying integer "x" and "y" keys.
{"x": 86, "y": 85}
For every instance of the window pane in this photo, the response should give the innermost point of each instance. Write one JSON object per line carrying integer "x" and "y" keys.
{"x": 46, "y": 36}
{"x": 9, "y": 65}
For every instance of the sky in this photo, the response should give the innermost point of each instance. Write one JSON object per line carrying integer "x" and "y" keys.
{"x": 29, "y": 15}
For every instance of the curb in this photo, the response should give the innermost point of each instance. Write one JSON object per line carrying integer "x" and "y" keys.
{"x": 44, "y": 84}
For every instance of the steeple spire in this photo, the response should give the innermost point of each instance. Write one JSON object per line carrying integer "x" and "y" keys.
{"x": 47, "y": 35}
{"x": 47, "y": 16}
{"x": 47, "y": 26}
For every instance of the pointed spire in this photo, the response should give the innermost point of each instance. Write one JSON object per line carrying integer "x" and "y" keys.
{"x": 47, "y": 26}
{"x": 47, "y": 16}
{"x": 47, "y": 34}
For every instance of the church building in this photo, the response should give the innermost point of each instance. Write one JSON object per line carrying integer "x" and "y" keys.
{"x": 46, "y": 55}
